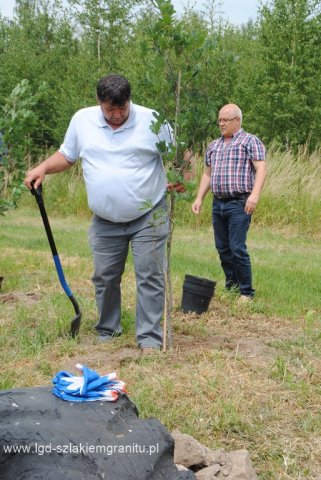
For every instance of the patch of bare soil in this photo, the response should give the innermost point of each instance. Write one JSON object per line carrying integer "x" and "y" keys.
{"x": 12, "y": 299}
{"x": 247, "y": 337}
{"x": 27, "y": 298}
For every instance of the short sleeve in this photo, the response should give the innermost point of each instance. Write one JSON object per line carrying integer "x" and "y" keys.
{"x": 70, "y": 146}
{"x": 257, "y": 149}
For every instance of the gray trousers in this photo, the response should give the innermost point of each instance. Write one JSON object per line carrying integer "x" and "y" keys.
{"x": 109, "y": 243}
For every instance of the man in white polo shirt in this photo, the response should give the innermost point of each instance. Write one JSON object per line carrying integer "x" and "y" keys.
{"x": 123, "y": 172}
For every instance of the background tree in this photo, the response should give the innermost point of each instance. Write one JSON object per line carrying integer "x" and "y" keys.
{"x": 104, "y": 27}
{"x": 289, "y": 87}
{"x": 38, "y": 45}
{"x": 186, "y": 67}
{"x": 18, "y": 122}
{"x": 243, "y": 45}
{"x": 271, "y": 67}
{"x": 179, "y": 51}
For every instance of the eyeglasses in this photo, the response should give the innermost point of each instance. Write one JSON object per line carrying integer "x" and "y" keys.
{"x": 225, "y": 120}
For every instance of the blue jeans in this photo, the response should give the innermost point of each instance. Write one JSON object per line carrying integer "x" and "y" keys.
{"x": 231, "y": 225}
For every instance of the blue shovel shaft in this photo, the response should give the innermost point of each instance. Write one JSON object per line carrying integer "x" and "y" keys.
{"x": 61, "y": 275}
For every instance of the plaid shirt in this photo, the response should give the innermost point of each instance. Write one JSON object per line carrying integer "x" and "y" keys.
{"x": 233, "y": 172}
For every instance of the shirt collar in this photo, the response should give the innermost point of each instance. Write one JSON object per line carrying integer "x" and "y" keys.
{"x": 237, "y": 134}
{"x": 128, "y": 124}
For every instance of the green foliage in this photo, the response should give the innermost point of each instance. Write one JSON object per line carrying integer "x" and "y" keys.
{"x": 38, "y": 46}
{"x": 186, "y": 67}
{"x": 290, "y": 83}
{"x": 104, "y": 26}
{"x": 17, "y": 121}
{"x": 65, "y": 194}
{"x": 181, "y": 82}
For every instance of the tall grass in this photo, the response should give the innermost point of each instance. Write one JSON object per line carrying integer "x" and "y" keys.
{"x": 291, "y": 195}
{"x": 64, "y": 194}
{"x": 292, "y": 192}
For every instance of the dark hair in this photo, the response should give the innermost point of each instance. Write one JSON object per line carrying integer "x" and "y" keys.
{"x": 114, "y": 89}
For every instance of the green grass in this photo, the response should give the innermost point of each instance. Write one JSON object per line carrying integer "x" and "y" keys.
{"x": 236, "y": 377}
{"x": 286, "y": 269}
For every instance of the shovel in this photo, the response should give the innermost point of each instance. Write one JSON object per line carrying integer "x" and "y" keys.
{"x": 75, "y": 323}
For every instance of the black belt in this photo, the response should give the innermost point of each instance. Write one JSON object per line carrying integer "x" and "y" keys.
{"x": 240, "y": 196}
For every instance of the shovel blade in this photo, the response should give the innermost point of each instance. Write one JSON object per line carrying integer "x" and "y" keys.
{"x": 75, "y": 325}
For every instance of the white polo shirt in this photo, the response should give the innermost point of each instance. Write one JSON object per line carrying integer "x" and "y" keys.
{"x": 122, "y": 168}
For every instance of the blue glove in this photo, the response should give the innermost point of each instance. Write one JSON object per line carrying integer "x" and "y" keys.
{"x": 87, "y": 388}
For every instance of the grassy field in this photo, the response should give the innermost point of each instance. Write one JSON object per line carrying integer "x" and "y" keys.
{"x": 236, "y": 377}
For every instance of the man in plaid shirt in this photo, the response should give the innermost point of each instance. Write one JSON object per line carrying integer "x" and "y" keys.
{"x": 235, "y": 172}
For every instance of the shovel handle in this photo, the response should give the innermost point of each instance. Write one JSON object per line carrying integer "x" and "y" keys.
{"x": 75, "y": 324}
{"x": 37, "y": 193}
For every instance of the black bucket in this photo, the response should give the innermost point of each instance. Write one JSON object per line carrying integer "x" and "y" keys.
{"x": 197, "y": 294}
